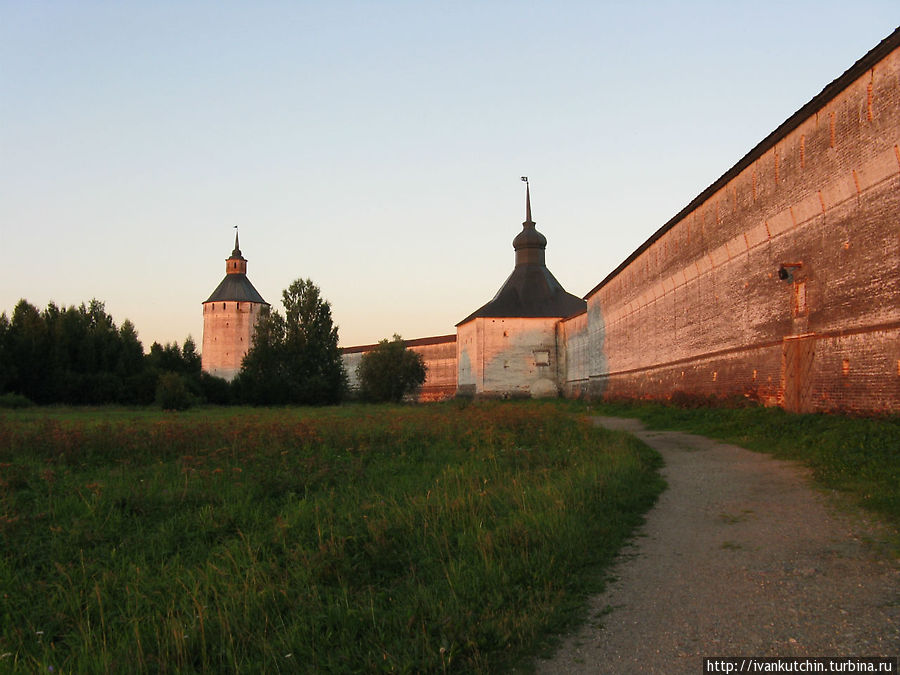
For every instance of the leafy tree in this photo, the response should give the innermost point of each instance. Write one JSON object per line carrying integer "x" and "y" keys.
{"x": 294, "y": 358}
{"x": 390, "y": 371}
{"x": 5, "y": 360}
{"x": 28, "y": 344}
{"x": 84, "y": 347}
{"x": 264, "y": 377}
{"x": 189, "y": 356}
{"x": 131, "y": 354}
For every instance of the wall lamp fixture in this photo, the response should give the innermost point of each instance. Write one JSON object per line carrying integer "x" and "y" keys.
{"x": 786, "y": 270}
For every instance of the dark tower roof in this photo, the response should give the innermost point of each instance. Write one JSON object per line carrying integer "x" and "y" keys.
{"x": 236, "y": 287}
{"x": 531, "y": 290}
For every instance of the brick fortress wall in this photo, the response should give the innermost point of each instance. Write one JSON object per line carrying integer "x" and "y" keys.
{"x": 781, "y": 281}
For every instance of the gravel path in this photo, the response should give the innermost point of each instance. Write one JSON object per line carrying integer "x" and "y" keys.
{"x": 740, "y": 557}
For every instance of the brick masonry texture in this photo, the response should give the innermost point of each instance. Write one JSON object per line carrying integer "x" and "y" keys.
{"x": 703, "y": 310}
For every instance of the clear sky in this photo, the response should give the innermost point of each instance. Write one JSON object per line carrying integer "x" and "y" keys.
{"x": 376, "y": 147}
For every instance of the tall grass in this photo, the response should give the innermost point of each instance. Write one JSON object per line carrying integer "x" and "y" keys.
{"x": 859, "y": 456}
{"x": 426, "y": 539}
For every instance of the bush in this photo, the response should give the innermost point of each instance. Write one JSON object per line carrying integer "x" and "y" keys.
{"x": 172, "y": 393}
{"x": 15, "y": 401}
{"x": 390, "y": 371}
{"x": 215, "y": 389}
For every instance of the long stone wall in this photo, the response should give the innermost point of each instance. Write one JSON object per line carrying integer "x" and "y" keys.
{"x": 782, "y": 280}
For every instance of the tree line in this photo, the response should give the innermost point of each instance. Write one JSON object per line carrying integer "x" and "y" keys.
{"x": 79, "y": 356}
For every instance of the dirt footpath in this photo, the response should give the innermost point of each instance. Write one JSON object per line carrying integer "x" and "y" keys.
{"x": 740, "y": 557}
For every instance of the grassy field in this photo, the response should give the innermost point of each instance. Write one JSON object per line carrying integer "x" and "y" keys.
{"x": 858, "y": 456}
{"x": 442, "y": 538}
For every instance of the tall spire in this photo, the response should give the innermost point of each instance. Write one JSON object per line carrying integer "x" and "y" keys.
{"x": 528, "y": 219}
{"x": 237, "y": 245}
{"x": 529, "y": 243}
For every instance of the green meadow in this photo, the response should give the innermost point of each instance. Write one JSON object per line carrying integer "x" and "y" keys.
{"x": 440, "y": 538}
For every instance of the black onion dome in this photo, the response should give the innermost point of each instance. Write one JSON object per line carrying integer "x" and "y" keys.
{"x": 529, "y": 237}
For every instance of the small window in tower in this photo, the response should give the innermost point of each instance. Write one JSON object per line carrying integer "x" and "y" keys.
{"x": 223, "y": 305}
{"x": 542, "y": 358}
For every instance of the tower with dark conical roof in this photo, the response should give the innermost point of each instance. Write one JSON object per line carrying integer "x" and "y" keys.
{"x": 508, "y": 346}
{"x": 229, "y": 318}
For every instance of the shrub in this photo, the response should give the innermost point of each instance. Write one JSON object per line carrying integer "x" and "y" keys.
{"x": 390, "y": 371}
{"x": 172, "y": 393}
{"x": 215, "y": 389}
{"x": 15, "y": 401}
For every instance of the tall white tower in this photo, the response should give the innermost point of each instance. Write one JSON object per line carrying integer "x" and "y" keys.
{"x": 229, "y": 318}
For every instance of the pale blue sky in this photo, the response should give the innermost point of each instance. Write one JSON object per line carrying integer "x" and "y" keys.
{"x": 376, "y": 147}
